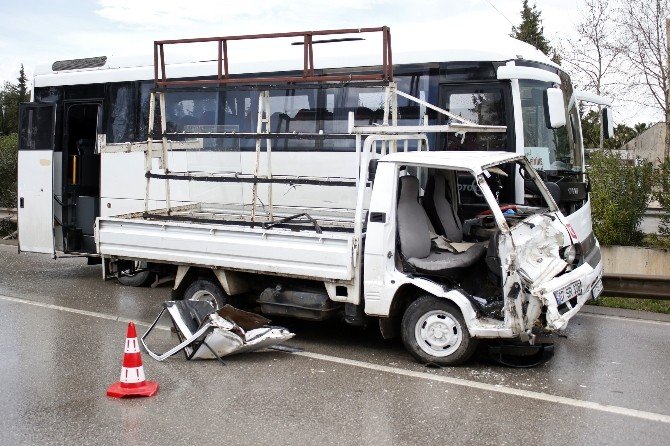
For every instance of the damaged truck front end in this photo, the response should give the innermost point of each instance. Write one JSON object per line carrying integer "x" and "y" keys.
{"x": 511, "y": 272}
{"x": 546, "y": 276}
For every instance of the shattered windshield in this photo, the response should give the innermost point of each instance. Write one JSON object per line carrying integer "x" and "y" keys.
{"x": 549, "y": 150}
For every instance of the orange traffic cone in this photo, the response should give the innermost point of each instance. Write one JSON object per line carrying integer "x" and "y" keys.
{"x": 133, "y": 382}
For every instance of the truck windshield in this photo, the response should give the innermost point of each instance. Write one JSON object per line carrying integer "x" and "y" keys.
{"x": 550, "y": 150}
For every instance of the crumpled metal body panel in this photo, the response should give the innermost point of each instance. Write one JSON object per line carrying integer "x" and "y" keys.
{"x": 225, "y": 342}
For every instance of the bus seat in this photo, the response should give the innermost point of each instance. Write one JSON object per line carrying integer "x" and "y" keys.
{"x": 414, "y": 235}
{"x": 276, "y": 120}
{"x": 440, "y": 210}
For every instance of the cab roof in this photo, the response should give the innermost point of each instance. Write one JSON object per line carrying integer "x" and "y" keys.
{"x": 473, "y": 161}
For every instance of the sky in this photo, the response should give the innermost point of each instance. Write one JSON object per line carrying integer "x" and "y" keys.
{"x": 44, "y": 31}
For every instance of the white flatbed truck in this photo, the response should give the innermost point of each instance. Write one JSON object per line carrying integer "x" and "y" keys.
{"x": 405, "y": 254}
{"x": 381, "y": 268}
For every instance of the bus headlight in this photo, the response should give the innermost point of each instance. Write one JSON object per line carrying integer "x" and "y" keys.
{"x": 569, "y": 254}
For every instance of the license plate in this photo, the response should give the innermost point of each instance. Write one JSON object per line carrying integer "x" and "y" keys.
{"x": 568, "y": 292}
{"x": 597, "y": 288}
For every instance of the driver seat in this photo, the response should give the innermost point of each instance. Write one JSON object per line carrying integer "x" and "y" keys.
{"x": 414, "y": 234}
{"x": 440, "y": 211}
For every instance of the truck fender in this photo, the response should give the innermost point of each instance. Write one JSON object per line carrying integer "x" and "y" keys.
{"x": 455, "y": 296}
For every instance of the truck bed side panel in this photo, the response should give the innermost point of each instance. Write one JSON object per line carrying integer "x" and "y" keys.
{"x": 306, "y": 254}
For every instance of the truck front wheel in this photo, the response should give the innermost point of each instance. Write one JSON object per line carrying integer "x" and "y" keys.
{"x": 207, "y": 291}
{"x": 433, "y": 331}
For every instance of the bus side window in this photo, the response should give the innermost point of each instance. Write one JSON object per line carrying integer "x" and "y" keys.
{"x": 120, "y": 116}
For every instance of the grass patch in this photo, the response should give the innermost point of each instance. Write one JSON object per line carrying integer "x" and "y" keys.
{"x": 656, "y": 241}
{"x": 656, "y": 306}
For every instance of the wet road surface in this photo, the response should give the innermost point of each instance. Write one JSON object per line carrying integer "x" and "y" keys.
{"x": 608, "y": 382}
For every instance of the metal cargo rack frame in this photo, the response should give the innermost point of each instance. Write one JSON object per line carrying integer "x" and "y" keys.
{"x": 367, "y": 138}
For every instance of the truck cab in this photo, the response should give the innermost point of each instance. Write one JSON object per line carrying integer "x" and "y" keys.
{"x": 453, "y": 270}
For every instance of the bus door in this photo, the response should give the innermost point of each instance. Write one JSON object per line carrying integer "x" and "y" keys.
{"x": 36, "y": 177}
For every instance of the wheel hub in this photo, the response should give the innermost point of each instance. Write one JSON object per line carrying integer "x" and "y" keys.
{"x": 438, "y": 333}
{"x": 205, "y": 296}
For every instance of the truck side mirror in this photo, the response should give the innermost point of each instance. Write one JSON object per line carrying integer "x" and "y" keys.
{"x": 608, "y": 123}
{"x": 372, "y": 169}
{"x": 554, "y": 108}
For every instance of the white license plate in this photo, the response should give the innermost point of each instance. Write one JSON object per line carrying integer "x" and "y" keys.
{"x": 568, "y": 292}
{"x": 597, "y": 288}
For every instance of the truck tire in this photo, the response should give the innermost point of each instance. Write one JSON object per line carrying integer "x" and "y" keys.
{"x": 434, "y": 331}
{"x": 140, "y": 279}
{"x": 208, "y": 291}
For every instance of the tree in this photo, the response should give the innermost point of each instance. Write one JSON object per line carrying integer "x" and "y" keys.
{"x": 11, "y": 95}
{"x": 22, "y": 86}
{"x": 622, "y": 132}
{"x": 593, "y": 57}
{"x": 531, "y": 30}
{"x": 620, "y": 194}
{"x": 645, "y": 47}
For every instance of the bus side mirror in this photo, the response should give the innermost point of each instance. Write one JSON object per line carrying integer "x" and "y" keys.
{"x": 608, "y": 123}
{"x": 372, "y": 169}
{"x": 554, "y": 107}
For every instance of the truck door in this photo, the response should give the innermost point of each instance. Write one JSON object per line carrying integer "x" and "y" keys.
{"x": 35, "y": 177}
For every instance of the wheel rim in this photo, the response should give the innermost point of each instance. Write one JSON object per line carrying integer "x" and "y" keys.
{"x": 205, "y": 296}
{"x": 438, "y": 333}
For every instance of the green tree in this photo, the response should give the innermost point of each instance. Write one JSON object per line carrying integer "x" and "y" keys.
{"x": 620, "y": 194}
{"x": 622, "y": 132}
{"x": 662, "y": 195}
{"x": 8, "y": 163}
{"x": 11, "y": 95}
{"x": 531, "y": 30}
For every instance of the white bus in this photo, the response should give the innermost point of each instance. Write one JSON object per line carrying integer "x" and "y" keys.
{"x": 80, "y": 106}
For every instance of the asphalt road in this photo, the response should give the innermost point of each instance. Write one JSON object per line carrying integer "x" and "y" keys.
{"x": 61, "y": 339}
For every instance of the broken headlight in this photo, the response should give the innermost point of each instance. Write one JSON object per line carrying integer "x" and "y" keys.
{"x": 569, "y": 254}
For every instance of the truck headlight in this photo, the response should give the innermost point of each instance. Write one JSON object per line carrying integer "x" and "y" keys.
{"x": 569, "y": 254}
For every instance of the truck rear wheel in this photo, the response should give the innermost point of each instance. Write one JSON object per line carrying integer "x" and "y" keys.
{"x": 434, "y": 331}
{"x": 138, "y": 279}
{"x": 207, "y": 291}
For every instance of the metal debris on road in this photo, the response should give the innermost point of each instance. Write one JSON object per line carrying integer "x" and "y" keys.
{"x": 208, "y": 334}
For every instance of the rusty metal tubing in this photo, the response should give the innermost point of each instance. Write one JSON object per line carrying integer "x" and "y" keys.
{"x": 275, "y": 80}
{"x": 161, "y": 79}
{"x": 636, "y": 286}
{"x": 274, "y": 35}
{"x": 220, "y": 61}
{"x": 224, "y": 44}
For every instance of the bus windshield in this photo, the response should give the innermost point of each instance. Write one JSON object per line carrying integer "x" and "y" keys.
{"x": 550, "y": 150}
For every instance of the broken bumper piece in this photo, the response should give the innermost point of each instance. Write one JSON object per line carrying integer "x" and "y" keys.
{"x": 206, "y": 334}
{"x": 565, "y": 295}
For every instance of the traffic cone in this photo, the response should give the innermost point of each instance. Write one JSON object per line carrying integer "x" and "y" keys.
{"x": 133, "y": 382}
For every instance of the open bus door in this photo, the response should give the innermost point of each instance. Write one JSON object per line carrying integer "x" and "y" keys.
{"x": 36, "y": 177}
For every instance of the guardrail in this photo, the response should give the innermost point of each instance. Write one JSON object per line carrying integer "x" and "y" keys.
{"x": 636, "y": 286}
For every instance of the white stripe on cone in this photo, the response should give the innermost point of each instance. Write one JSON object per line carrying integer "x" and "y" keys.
{"x": 132, "y": 375}
{"x": 131, "y": 346}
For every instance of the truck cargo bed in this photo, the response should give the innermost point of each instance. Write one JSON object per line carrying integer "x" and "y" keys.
{"x": 197, "y": 238}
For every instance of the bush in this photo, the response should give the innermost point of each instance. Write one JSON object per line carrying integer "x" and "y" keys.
{"x": 8, "y": 167}
{"x": 662, "y": 195}
{"x": 620, "y": 194}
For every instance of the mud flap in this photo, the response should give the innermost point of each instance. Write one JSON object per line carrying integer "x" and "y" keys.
{"x": 521, "y": 355}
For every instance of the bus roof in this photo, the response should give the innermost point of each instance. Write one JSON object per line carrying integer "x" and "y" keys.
{"x": 135, "y": 68}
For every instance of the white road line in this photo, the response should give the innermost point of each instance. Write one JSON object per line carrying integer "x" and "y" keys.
{"x": 650, "y": 416}
{"x": 109, "y": 317}
{"x": 624, "y": 318}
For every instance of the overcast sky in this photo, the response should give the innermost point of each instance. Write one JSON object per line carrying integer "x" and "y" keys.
{"x": 43, "y": 31}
